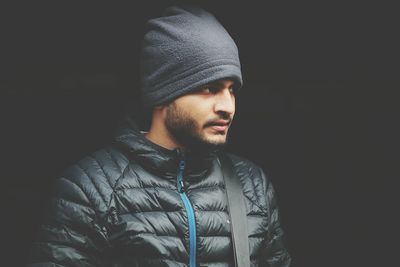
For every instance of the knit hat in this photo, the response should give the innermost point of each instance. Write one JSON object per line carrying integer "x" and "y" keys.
{"x": 182, "y": 50}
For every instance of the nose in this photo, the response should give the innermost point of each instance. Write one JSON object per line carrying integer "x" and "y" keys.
{"x": 225, "y": 101}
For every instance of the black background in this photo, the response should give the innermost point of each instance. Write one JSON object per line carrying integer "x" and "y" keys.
{"x": 319, "y": 109}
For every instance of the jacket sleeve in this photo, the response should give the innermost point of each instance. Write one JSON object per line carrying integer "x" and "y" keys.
{"x": 274, "y": 251}
{"x": 69, "y": 234}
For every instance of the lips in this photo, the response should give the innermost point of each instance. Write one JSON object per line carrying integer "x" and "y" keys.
{"x": 219, "y": 125}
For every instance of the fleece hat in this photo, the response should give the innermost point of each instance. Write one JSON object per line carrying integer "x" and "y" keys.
{"x": 182, "y": 50}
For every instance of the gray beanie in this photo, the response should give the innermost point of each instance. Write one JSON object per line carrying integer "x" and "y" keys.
{"x": 182, "y": 50}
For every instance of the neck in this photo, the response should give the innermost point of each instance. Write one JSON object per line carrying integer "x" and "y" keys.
{"x": 159, "y": 135}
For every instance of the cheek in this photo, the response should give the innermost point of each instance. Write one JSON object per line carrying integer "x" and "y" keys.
{"x": 198, "y": 109}
{"x": 202, "y": 116}
{"x": 199, "y": 119}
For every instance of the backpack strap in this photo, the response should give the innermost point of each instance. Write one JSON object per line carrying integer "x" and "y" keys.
{"x": 237, "y": 213}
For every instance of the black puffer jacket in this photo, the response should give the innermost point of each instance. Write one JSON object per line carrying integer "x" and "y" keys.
{"x": 120, "y": 206}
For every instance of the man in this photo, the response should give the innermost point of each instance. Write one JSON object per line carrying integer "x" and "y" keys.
{"x": 158, "y": 198}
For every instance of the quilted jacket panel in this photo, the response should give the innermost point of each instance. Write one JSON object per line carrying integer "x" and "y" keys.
{"x": 119, "y": 206}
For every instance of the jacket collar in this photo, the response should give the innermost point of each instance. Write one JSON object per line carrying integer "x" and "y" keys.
{"x": 160, "y": 160}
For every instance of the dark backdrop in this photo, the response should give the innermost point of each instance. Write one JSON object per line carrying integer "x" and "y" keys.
{"x": 318, "y": 109}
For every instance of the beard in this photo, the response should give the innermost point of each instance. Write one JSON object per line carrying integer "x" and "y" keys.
{"x": 183, "y": 128}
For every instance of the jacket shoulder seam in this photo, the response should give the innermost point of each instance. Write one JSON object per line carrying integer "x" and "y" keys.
{"x": 94, "y": 184}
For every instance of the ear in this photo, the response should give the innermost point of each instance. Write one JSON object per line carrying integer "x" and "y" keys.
{"x": 160, "y": 111}
{"x": 157, "y": 108}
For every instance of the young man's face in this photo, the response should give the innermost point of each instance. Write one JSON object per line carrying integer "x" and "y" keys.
{"x": 201, "y": 119}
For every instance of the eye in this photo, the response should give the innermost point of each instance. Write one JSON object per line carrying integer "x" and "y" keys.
{"x": 210, "y": 89}
{"x": 233, "y": 89}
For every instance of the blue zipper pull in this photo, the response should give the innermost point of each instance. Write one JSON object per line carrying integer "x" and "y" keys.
{"x": 181, "y": 187}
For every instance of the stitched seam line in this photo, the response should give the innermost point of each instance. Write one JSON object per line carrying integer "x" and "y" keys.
{"x": 91, "y": 179}
{"x": 124, "y": 169}
{"x": 145, "y": 188}
{"x": 75, "y": 184}
{"x": 208, "y": 187}
{"x": 102, "y": 169}
{"x": 109, "y": 152}
{"x": 72, "y": 202}
{"x": 150, "y": 211}
{"x": 224, "y": 211}
{"x": 119, "y": 178}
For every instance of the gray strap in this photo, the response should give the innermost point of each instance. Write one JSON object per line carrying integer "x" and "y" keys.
{"x": 237, "y": 212}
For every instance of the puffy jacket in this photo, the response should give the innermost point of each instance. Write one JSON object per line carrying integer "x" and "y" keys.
{"x": 122, "y": 206}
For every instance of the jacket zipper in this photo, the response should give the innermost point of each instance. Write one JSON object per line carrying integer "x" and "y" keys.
{"x": 190, "y": 214}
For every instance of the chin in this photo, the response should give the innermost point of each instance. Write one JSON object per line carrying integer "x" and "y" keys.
{"x": 215, "y": 139}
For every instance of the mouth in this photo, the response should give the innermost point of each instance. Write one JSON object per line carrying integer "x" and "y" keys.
{"x": 219, "y": 128}
{"x": 220, "y": 125}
